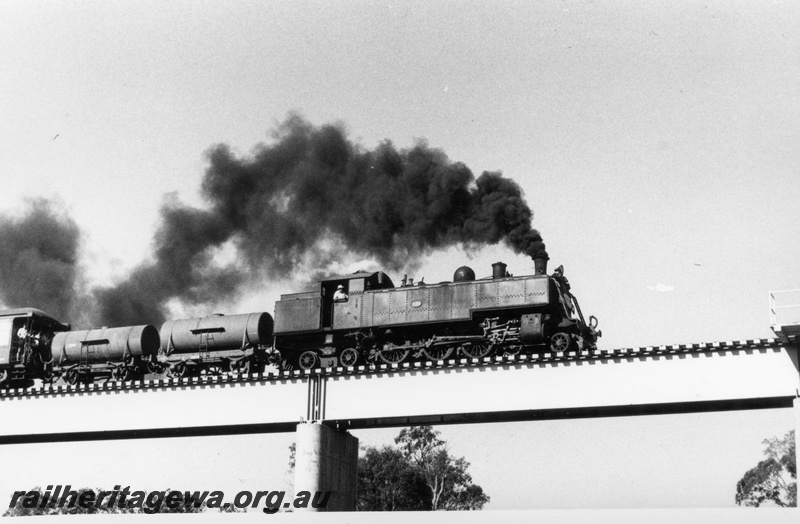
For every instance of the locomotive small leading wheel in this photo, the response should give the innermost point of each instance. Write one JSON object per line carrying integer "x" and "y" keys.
{"x": 476, "y": 350}
{"x": 438, "y": 353}
{"x": 307, "y": 360}
{"x": 3, "y": 375}
{"x": 348, "y": 357}
{"x": 560, "y": 342}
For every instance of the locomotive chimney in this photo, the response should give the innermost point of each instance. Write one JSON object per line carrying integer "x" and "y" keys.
{"x": 498, "y": 270}
{"x": 540, "y": 264}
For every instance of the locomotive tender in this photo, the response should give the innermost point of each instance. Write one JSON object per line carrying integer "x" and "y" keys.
{"x": 368, "y": 320}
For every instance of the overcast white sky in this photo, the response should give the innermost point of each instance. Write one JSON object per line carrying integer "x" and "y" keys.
{"x": 657, "y": 143}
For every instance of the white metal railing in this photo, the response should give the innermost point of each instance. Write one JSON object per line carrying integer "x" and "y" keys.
{"x": 784, "y": 310}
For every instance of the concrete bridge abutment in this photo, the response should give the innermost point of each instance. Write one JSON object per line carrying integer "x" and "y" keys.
{"x": 326, "y": 460}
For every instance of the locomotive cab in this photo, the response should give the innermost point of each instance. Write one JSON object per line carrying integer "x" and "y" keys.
{"x": 337, "y": 306}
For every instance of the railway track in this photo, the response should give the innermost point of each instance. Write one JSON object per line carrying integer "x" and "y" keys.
{"x": 545, "y": 358}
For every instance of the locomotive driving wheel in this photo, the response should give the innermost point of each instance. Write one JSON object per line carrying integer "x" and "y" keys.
{"x": 393, "y": 356}
{"x": 348, "y": 357}
{"x": 560, "y": 342}
{"x": 438, "y": 352}
{"x": 307, "y": 360}
{"x": 476, "y": 349}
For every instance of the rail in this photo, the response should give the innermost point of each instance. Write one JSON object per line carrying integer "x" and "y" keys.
{"x": 546, "y": 358}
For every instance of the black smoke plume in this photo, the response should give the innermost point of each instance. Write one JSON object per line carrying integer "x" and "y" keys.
{"x": 312, "y": 191}
{"x": 309, "y": 186}
{"x": 39, "y": 260}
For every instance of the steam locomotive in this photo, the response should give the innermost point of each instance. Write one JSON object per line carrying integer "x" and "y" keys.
{"x": 372, "y": 320}
{"x": 346, "y": 321}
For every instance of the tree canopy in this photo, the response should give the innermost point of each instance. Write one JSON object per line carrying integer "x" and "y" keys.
{"x": 447, "y": 478}
{"x": 771, "y": 479}
{"x": 419, "y": 475}
{"x": 388, "y": 482}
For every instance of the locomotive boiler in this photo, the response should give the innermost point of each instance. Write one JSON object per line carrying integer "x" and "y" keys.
{"x": 364, "y": 317}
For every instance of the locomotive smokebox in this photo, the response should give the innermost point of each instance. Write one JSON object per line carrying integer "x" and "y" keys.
{"x": 540, "y": 265}
{"x": 499, "y": 270}
{"x": 464, "y": 274}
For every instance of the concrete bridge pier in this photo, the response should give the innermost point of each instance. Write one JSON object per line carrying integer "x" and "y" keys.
{"x": 326, "y": 460}
{"x": 797, "y": 432}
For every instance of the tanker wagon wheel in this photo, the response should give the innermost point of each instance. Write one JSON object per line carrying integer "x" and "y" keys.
{"x": 476, "y": 349}
{"x": 438, "y": 353}
{"x": 240, "y": 366}
{"x": 155, "y": 368}
{"x": 560, "y": 342}
{"x": 177, "y": 370}
{"x": 72, "y": 377}
{"x": 348, "y": 357}
{"x": 213, "y": 370}
{"x": 121, "y": 374}
{"x": 307, "y": 360}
